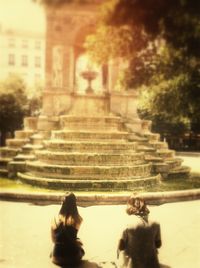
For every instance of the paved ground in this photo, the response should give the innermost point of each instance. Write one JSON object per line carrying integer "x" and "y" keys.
{"x": 25, "y": 234}
{"x": 191, "y": 161}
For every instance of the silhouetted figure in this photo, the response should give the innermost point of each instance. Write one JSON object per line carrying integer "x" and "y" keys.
{"x": 140, "y": 239}
{"x": 67, "y": 251}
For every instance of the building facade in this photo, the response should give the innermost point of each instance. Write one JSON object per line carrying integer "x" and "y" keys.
{"x": 22, "y": 53}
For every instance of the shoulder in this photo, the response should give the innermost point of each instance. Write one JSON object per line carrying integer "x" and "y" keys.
{"x": 78, "y": 222}
{"x": 55, "y": 222}
{"x": 154, "y": 225}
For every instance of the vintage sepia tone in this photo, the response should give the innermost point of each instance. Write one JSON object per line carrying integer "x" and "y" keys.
{"x": 88, "y": 140}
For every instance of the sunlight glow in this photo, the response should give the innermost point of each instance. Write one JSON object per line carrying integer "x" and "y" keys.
{"x": 22, "y": 14}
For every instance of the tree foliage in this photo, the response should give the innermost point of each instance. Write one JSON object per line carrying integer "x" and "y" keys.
{"x": 176, "y": 21}
{"x": 163, "y": 52}
{"x": 161, "y": 41}
{"x": 15, "y": 105}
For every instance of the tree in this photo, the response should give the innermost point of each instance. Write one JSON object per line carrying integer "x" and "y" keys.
{"x": 176, "y": 21}
{"x": 11, "y": 115}
{"x": 163, "y": 52}
{"x": 13, "y": 105}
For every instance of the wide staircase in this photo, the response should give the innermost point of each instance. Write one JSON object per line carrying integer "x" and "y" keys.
{"x": 89, "y": 153}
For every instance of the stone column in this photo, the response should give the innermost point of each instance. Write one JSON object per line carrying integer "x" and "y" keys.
{"x": 57, "y": 67}
{"x": 113, "y": 70}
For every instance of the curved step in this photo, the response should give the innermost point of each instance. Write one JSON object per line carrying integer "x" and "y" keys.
{"x": 87, "y": 135}
{"x": 23, "y": 134}
{"x": 91, "y": 123}
{"x": 166, "y": 153}
{"x": 24, "y": 157}
{"x": 174, "y": 163}
{"x": 158, "y": 144}
{"x": 88, "y": 158}
{"x": 179, "y": 172}
{"x": 16, "y": 143}
{"x": 152, "y": 136}
{"x": 146, "y": 149}
{"x": 40, "y": 168}
{"x": 3, "y": 172}
{"x": 90, "y": 146}
{"x": 92, "y": 185}
{"x": 29, "y": 148}
{"x": 8, "y": 152}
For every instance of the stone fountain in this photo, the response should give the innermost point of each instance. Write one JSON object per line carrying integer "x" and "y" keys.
{"x": 89, "y": 75}
{"x": 85, "y": 141}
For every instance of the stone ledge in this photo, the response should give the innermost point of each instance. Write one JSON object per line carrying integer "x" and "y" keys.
{"x": 88, "y": 199}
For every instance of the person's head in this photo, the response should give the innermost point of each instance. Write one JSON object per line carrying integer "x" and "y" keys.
{"x": 137, "y": 206}
{"x": 69, "y": 207}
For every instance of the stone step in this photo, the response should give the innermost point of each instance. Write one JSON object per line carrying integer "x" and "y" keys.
{"x": 89, "y": 159}
{"x": 4, "y": 162}
{"x": 87, "y": 135}
{"x": 91, "y": 123}
{"x": 24, "y": 157}
{"x": 23, "y": 134}
{"x": 165, "y": 153}
{"x": 30, "y": 123}
{"x": 89, "y": 184}
{"x": 160, "y": 168}
{"x": 3, "y": 172}
{"x": 40, "y": 168}
{"x": 90, "y": 146}
{"x": 29, "y": 148}
{"x": 14, "y": 167}
{"x": 16, "y": 143}
{"x": 152, "y": 136}
{"x": 136, "y": 138}
{"x": 146, "y": 149}
{"x": 173, "y": 162}
{"x": 152, "y": 158}
{"x": 48, "y": 123}
{"x": 158, "y": 145}
{"x": 8, "y": 152}
{"x": 36, "y": 139}
{"x": 179, "y": 172}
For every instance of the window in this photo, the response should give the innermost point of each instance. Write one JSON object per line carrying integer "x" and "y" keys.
{"x": 37, "y": 62}
{"x": 24, "y": 60}
{"x": 11, "y": 42}
{"x": 37, "y": 44}
{"x": 11, "y": 59}
{"x": 24, "y": 43}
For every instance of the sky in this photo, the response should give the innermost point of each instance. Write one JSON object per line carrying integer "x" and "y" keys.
{"x": 22, "y": 14}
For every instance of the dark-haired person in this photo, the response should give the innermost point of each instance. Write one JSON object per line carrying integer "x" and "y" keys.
{"x": 140, "y": 239}
{"x": 67, "y": 249}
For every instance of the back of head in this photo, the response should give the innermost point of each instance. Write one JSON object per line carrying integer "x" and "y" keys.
{"x": 69, "y": 207}
{"x": 137, "y": 206}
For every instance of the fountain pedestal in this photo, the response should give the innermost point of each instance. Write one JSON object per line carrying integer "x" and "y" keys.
{"x": 89, "y": 76}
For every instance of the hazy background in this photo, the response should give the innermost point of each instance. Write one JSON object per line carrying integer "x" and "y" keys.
{"x": 22, "y": 14}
